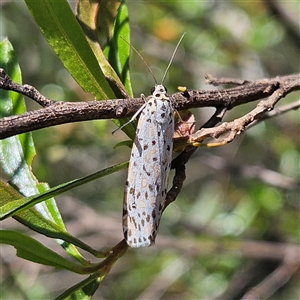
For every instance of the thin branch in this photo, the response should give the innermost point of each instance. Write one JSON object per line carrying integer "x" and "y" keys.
{"x": 209, "y": 79}
{"x": 276, "y": 112}
{"x": 58, "y": 112}
{"x": 281, "y": 110}
{"x": 26, "y": 90}
{"x": 236, "y": 127}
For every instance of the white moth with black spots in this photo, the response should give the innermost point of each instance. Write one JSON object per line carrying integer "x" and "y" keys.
{"x": 149, "y": 167}
{"x": 148, "y": 173}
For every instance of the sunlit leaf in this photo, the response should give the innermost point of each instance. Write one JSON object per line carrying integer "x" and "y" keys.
{"x": 17, "y": 153}
{"x": 30, "y": 249}
{"x": 64, "y": 34}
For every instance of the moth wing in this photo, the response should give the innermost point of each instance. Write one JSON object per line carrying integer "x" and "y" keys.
{"x": 146, "y": 185}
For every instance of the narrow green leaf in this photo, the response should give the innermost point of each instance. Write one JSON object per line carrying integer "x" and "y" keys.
{"x": 86, "y": 288}
{"x": 108, "y": 21}
{"x": 36, "y": 221}
{"x": 83, "y": 290}
{"x": 98, "y": 17}
{"x": 127, "y": 143}
{"x": 32, "y": 250}
{"x": 17, "y": 153}
{"x": 118, "y": 54}
{"x": 117, "y": 51}
{"x": 19, "y": 205}
{"x": 62, "y": 31}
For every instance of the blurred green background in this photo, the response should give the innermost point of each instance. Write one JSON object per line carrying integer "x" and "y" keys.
{"x": 235, "y": 197}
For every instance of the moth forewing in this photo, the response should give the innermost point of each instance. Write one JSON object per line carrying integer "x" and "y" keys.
{"x": 148, "y": 172}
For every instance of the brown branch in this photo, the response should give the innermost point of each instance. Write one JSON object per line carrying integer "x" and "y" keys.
{"x": 26, "y": 90}
{"x": 236, "y": 127}
{"x": 58, "y": 112}
{"x": 209, "y": 79}
{"x": 281, "y": 110}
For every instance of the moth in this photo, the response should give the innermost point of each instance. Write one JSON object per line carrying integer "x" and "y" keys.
{"x": 149, "y": 166}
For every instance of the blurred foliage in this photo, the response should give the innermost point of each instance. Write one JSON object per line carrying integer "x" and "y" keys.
{"x": 220, "y": 200}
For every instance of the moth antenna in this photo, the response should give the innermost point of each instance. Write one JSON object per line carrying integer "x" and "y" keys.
{"x": 172, "y": 57}
{"x": 141, "y": 57}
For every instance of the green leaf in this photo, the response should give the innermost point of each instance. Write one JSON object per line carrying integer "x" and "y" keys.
{"x": 32, "y": 250}
{"x": 17, "y": 153}
{"x": 94, "y": 18}
{"x": 83, "y": 290}
{"x": 109, "y": 21}
{"x": 62, "y": 31}
{"x": 117, "y": 52}
{"x": 16, "y": 206}
{"x": 86, "y": 288}
{"x": 127, "y": 143}
{"x": 36, "y": 221}
{"x": 11, "y": 103}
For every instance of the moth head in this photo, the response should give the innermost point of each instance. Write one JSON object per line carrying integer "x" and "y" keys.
{"x": 158, "y": 90}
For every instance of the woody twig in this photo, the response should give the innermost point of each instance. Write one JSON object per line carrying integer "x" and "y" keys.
{"x": 58, "y": 112}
